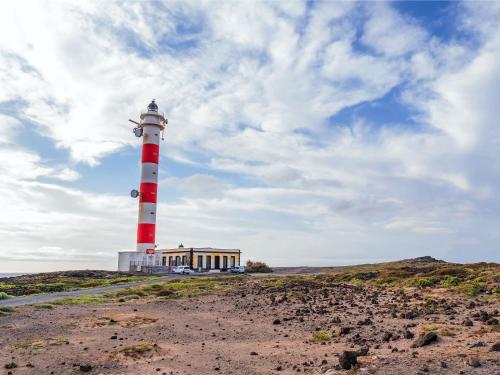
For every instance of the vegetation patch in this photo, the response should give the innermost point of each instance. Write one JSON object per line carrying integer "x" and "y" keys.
{"x": 192, "y": 287}
{"x": 4, "y": 295}
{"x": 29, "y": 344}
{"x": 39, "y": 344}
{"x": 321, "y": 336}
{"x": 441, "y": 330}
{"x": 257, "y": 267}
{"x": 44, "y": 306}
{"x": 7, "y": 309}
{"x": 137, "y": 321}
{"x": 64, "y": 281}
{"x": 140, "y": 350}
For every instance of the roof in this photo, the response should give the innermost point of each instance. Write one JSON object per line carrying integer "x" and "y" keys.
{"x": 199, "y": 249}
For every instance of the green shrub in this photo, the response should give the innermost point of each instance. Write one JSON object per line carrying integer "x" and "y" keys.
{"x": 44, "y": 306}
{"x": 425, "y": 282}
{"x": 257, "y": 267}
{"x": 7, "y": 309}
{"x": 4, "y": 295}
{"x": 320, "y": 336}
{"x": 451, "y": 281}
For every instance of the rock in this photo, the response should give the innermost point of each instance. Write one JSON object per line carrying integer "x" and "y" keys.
{"x": 348, "y": 358}
{"x": 473, "y": 362}
{"x": 279, "y": 368}
{"x": 85, "y": 368}
{"x": 409, "y": 314}
{"x": 387, "y": 336}
{"x": 495, "y": 347}
{"x": 345, "y": 330}
{"x": 254, "y": 353}
{"x": 478, "y": 344}
{"x": 114, "y": 337}
{"x": 467, "y": 322}
{"x": 425, "y": 339}
{"x": 365, "y": 322}
{"x": 409, "y": 335}
{"x": 276, "y": 321}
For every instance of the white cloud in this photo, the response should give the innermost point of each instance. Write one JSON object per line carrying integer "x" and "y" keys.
{"x": 250, "y": 94}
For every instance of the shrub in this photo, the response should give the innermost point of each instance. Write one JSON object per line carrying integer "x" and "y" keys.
{"x": 44, "y": 306}
{"x": 4, "y": 295}
{"x": 425, "y": 282}
{"x": 7, "y": 309}
{"x": 258, "y": 267}
{"x": 321, "y": 336}
{"x": 11, "y": 365}
{"x": 451, "y": 281}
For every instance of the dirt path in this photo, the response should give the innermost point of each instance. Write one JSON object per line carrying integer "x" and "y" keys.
{"x": 41, "y": 298}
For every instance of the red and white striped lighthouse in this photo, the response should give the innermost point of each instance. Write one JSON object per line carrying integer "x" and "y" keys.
{"x": 150, "y": 128}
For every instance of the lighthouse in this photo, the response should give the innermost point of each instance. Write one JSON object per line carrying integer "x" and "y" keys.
{"x": 151, "y": 129}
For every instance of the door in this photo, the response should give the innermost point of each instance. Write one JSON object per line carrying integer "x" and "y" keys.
{"x": 200, "y": 261}
{"x": 209, "y": 262}
{"x": 224, "y": 262}
{"x": 217, "y": 262}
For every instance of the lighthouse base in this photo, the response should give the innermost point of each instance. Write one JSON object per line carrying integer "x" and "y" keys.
{"x": 134, "y": 261}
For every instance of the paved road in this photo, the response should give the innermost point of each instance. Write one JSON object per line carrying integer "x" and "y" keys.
{"x": 41, "y": 298}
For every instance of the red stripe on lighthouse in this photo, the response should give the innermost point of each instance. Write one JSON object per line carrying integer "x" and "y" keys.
{"x": 149, "y": 192}
{"x": 150, "y": 153}
{"x": 146, "y": 233}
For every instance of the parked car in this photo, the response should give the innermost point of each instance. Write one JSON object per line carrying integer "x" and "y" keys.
{"x": 237, "y": 269}
{"x": 182, "y": 269}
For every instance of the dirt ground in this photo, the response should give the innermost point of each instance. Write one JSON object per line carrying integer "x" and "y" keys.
{"x": 256, "y": 330}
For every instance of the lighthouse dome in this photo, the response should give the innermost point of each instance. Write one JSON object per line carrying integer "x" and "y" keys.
{"x": 152, "y": 106}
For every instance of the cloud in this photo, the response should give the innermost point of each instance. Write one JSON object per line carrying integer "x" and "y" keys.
{"x": 260, "y": 153}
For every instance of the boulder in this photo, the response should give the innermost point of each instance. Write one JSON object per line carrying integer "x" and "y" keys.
{"x": 425, "y": 339}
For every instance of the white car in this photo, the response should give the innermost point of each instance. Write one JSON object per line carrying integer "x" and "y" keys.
{"x": 182, "y": 269}
{"x": 238, "y": 269}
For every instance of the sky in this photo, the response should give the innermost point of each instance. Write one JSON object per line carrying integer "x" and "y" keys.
{"x": 303, "y": 133}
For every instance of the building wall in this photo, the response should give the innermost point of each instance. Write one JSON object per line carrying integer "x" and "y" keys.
{"x": 203, "y": 255}
{"x": 212, "y": 259}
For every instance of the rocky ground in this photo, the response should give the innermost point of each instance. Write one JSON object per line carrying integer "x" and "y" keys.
{"x": 260, "y": 326}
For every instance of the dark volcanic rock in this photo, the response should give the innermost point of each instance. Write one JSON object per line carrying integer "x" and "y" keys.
{"x": 473, "y": 362}
{"x": 495, "y": 347}
{"x": 348, "y": 358}
{"x": 467, "y": 322}
{"x": 85, "y": 368}
{"x": 345, "y": 330}
{"x": 408, "y": 334}
{"x": 425, "y": 339}
{"x": 387, "y": 336}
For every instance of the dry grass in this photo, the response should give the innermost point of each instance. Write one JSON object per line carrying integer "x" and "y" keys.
{"x": 140, "y": 350}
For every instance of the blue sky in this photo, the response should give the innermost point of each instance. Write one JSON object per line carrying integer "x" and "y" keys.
{"x": 304, "y": 133}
